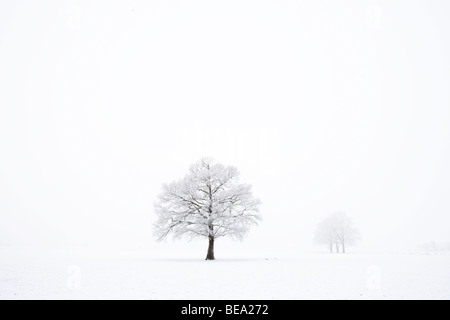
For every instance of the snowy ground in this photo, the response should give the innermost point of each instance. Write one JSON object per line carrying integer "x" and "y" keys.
{"x": 138, "y": 275}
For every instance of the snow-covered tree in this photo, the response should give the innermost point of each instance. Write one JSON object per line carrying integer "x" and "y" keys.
{"x": 208, "y": 202}
{"x": 346, "y": 233}
{"x": 337, "y": 230}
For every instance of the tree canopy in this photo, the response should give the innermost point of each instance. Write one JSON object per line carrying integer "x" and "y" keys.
{"x": 208, "y": 202}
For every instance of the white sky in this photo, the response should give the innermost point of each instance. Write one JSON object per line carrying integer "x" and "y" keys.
{"x": 323, "y": 106}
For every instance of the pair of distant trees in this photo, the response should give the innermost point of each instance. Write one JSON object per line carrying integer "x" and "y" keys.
{"x": 210, "y": 202}
{"x": 337, "y": 231}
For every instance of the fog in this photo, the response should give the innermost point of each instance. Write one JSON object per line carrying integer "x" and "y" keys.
{"x": 323, "y": 106}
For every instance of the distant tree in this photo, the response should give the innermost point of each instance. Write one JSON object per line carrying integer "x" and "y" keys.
{"x": 346, "y": 233}
{"x": 208, "y": 202}
{"x": 433, "y": 247}
{"x": 325, "y": 234}
{"x": 337, "y": 230}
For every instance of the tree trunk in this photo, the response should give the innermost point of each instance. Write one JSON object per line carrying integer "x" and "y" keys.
{"x": 343, "y": 247}
{"x": 210, "y": 255}
{"x": 337, "y": 247}
{"x": 331, "y": 247}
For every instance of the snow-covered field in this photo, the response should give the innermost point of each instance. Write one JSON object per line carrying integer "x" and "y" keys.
{"x": 138, "y": 275}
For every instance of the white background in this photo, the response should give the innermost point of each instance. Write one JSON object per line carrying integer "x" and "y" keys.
{"x": 323, "y": 106}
